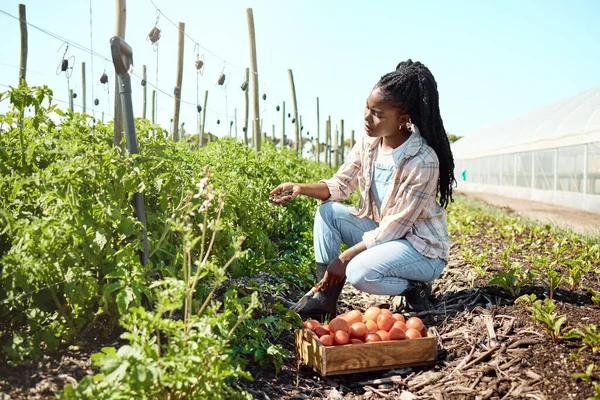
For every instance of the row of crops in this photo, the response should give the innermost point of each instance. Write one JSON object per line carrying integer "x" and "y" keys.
{"x": 194, "y": 318}
{"x": 70, "y": 243}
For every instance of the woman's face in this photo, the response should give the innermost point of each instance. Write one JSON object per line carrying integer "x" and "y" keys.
{"x": 382, "y": 118}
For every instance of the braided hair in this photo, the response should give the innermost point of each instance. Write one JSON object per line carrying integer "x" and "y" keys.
{"x": 412, "y": 88}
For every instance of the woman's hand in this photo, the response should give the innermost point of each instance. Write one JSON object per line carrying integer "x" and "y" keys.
{"x": 336, "y": 271}
{"x": 285, "y": 192}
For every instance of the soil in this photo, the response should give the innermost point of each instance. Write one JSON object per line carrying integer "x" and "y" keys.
{"x": 488, "y": 348}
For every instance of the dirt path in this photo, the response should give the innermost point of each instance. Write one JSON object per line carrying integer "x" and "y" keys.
{"x": 580, "y": 221}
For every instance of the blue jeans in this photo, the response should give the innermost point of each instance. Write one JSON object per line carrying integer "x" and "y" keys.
{"x": 385, "y": 269}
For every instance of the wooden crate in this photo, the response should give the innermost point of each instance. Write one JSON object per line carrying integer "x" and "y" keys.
{"x": 352, "y": 358}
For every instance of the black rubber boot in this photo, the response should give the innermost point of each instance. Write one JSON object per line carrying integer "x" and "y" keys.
{"x": 323, "y": 305}
{"x": 417, "y": 296}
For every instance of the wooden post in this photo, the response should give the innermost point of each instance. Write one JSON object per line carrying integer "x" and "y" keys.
{"x": 235, "y": 122}
{"x": 295, "y": 105}
{"x": 283, "y": 125}
{"x": 145, "y": 79}
{"x": 203, "y": 122}
{"x": 246, "y": 97}
{"x": 83, "y": 88}
{"x": 180, "y": 43}
{"x": 254, "y": 70}
{"x": 23, "y": 26}
{"x": 71, "y": 100}
{"x": 273, "y": 138}
{"x": 328, "y": 147}
{"x": 336, "y": 147}
{"x": 154, "y": 106}
{"x": 318, "y": 133}
{"x": 299, "y": 122}
{"x": 342, "y": 144}
{"x": 352, "y": 142}
{"x": 121, "y": 19}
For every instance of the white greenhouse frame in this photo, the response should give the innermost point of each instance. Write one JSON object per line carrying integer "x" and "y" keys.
{"x": 551, "y": 155}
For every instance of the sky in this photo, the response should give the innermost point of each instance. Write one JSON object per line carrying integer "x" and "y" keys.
{"x": 492, "y": 60}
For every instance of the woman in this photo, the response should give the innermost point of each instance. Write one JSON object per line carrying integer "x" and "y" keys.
{"x": 397, "y": 238}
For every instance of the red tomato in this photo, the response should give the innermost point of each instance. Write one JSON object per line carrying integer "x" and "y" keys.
{"x": 399, "y": 317}
{"x": 384, "y": 335}
{"x": 373, "y": 337}
{"x": 397, "y": 334}
{"x": 412, "y": 333}
{"x": 358, "y": 330}
{"x": 339, "y": 324}
{"x": 326, "y": 340}
{"x": 385, "y": 322}
{"x": 372, "y": 313}
{"x": 371, "y": 326}
{"x": 415, "y": 323}
{"x": 320, "y": 331}
{"x": 341, "y": 337}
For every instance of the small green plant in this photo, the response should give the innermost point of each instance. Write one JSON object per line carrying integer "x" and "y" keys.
{"x": 595, "y": 296}
{"x": 512, "y": 280}
{"x": 546, "y": 269}
{"x": 575, "y": 275}
{"x": 587, "y": 374}
{"x": 543, "y": 312}
{"x": 588, "y": 335}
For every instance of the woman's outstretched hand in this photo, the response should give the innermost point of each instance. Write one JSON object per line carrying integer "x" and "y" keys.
{"x": 285, "y": 192}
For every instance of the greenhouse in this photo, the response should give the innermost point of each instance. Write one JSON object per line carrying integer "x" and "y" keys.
{"x": 550, "y": 155}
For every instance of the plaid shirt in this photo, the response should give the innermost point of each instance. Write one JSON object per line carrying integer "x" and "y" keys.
{"x": 409, "y": 209}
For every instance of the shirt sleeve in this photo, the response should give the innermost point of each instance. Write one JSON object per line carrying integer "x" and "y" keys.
{"x": 421, "y": 189}
{"x": 345, "y": 180}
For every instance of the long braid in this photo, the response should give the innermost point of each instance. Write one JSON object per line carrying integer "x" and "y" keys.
{"x": 412, "y": 87}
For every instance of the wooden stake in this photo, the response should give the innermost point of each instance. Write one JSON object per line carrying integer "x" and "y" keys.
{"x": 71, "y": 100}
{"x": 154, "y": 106}
{"x": 83, "y": 88}
{"x": 342, "y": 145}
{"x": 283, "y": 125}
{"x": 23, "y": 26}
{"x": 336, "y": 147}
{"x": 254, "y": 70}
{"x": 145, "y": 79}
{"x": 295, "y": 105}
{"x": 180, "y": 44}
{"x": 318, "y": 156}
{"x": 121, "y": 20}
{"x": 235, "y": 122}
{"x": 247, "y": 107}
{"x": 328, "y": 146}
{"x": 203, "y": 122}
{"x": 352, "y": 142}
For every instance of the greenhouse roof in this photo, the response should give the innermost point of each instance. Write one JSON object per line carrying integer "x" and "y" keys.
{"x": 573, "y": 120}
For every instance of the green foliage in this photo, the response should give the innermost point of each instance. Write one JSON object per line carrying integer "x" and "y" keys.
{"x": 543, "y": 312}
{"x": 595, "y": 296}
{"x": 69, "y": 240}
{"x": 512, "y": 280}
{"x": 588, "y": 335}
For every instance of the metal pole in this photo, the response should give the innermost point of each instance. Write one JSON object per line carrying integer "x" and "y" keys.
{"x": 123, "y": 59}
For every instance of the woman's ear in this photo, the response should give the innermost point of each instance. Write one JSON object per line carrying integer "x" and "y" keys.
{"x": 403, "y": 118}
